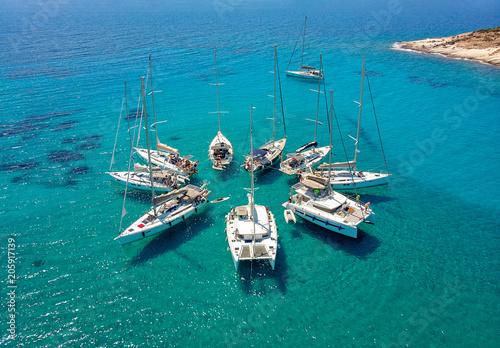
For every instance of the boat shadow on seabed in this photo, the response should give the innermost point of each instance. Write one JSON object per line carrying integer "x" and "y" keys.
{"x": 254, "y": 277}
{"x": 170, "y": 239}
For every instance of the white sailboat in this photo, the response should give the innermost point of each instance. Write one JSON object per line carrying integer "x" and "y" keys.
{"x": 166, "y": 156}
{"x": 315, "y": 201}
{"x": 139, "y": 178}
{"x": 344, "y": 174}
{"x": 220, "y": 151}
{"x": 266, "y": 155}
{"x": 309, "y": 154}
{"x": 251, "y": 229}
{"x": 305, "y": 72}
{"x": 168, "y": 209}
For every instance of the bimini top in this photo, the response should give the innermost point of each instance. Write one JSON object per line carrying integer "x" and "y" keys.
{"x": 259, "y": 153}
{"x": 306, "y": 147}
{"x": 308, "y": 67}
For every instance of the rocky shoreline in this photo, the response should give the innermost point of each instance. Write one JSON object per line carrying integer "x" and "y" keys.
{"x": 482, "y": 45}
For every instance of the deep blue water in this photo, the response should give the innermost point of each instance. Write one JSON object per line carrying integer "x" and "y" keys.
{"x": 426, "y": 274}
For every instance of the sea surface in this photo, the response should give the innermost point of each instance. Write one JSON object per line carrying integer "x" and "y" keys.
{"x": 425, "y": 275}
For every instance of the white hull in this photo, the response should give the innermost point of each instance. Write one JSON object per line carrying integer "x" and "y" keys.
{"x": 304, "y": 74}
{"x": 246, "y": 244}
{"x": 331, "y": 210}
{"x": 223, "y": 146}
{"x": 141, "y": 181}
{"x": 274, "y": 151}
{"x": 164, "y": 160}
{"x": 344, "y": 180}
{"x": 169, "y": 213}
{"x": 309, "y": 158}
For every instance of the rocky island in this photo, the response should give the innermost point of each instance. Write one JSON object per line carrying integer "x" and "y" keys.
{"x": 482, "y": 45}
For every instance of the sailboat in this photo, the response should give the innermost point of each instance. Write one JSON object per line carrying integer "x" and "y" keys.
{"x": 168, "y": 209}
{"x": 251, "y": 229}
{"x": 140, "y": 177}
{"x": 315, "y": 201}
{"x": 266, "y": 155}
{"x": 309, "y": 154}
{"x": 220, "y": 151}
{"x": 166, "y": 156}
{"x": 305, "y": 72}
{"x": 345, "y": 176}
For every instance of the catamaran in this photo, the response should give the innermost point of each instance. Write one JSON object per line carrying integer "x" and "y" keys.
{"x": 266, "y": 155}
{"x": 309, "y": 154}
{"x": 220, "y": 151}
{"x": 343, "y": 175}
{"x": 315, "y": 201}
{"x": 251, "y": 229}
{"x": 305, "y": 72}
{"x": 168, "y": 209}
{"x": 166, "y": 156}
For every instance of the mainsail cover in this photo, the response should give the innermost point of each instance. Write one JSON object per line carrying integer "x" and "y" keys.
{"x": 167, "y": 148}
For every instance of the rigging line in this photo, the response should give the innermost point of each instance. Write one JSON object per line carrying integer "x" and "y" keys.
{"x": 300, "y": 34}
{"x": 376, "y": 121}
{"x": 116, "y": 137}
{"x": 128, "y": 118}
{"x": 281, "y": 95}
{"x": 345, "y": 151}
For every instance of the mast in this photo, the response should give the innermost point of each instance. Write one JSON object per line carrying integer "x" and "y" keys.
{"x": 303, "y": 44}
{"x": 252, "y": 188}
{"x": 147, "y": 140}
{"x": 153, "y": 97}
{"x": 319, "y": 91}
{"x": 359, "y": 117}
{"x": 274, "y": 95}
{"x": 217, "y": 88}
{"x": 331, "y": 150}
{"x": 128, "y": 119}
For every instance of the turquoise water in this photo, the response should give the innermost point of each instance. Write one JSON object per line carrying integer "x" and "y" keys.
{"x": 426, "y": 274}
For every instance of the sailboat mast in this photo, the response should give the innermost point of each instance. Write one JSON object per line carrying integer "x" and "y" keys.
{"x": 331, "y": 150}
{"x": 303, "y": 44}
{"x": 153, "y": 98}
{"x": 128, "y": 118}
{"x": 359, "y": 117}
{"x": 147, "y": 140}
{"x": 319, "y": 92}
{"x": 217, "y": 88}
{"x": 274, "y": 95}
{"x": 252, "y": 188}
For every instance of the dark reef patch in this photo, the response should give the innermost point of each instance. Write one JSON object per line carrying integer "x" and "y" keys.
{"x": 70, "y": 140}
{"x": 63, "y": 156}
{"x": 64, "y": 125}
{"x": 18, "y": 179}
{"x": 19, "y": 166}
{"x": 92, "y": 138}
{"x": 175, "y": 138}
{"x": 79, "y": 170}
{"x": 88, "y": 146}
{"x": 133, "y": 114}
{"x": 28, "y": 73}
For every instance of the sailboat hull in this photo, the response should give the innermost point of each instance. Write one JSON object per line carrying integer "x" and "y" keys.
{"x": 346, "y": 181}
{"x": 304, "y": 74}
{"x": 140, "y": 183}
{"x": 274, "y": 154}
{"x": 222, "y": 145}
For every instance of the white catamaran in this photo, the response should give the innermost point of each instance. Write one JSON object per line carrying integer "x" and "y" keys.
{"x": 251, "y": 229}
{"x": 166, "y": 156}
{"x": 307, "y": 155}
{"x": 168, "y": 209}
{"x": 266, "y": 155}
{"x": 315, "y": 201}
{"x": 343, "y": 175}
{"x": 305, "y": 72}
{"x": 220, "y": 151}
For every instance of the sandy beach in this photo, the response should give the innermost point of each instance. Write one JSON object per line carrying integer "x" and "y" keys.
{"x": 482, "y": 45}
